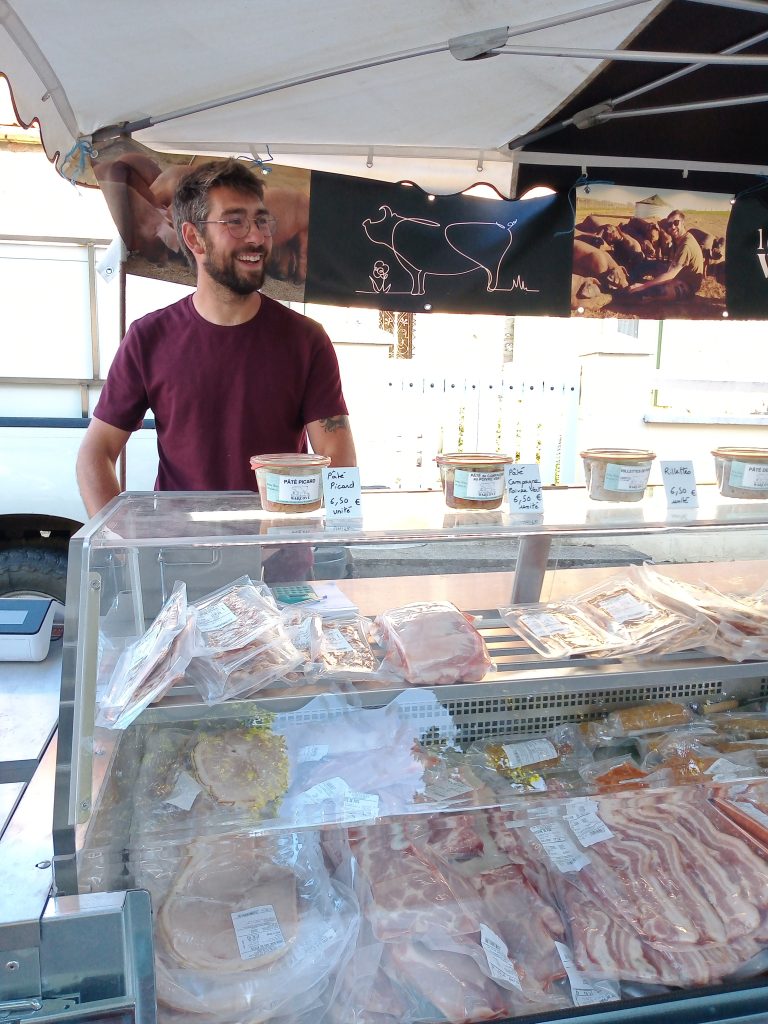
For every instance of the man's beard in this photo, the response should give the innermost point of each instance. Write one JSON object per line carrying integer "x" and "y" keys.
{"x": 226, "y": 273}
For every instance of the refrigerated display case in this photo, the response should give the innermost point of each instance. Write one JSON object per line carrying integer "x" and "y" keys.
{"x": 362, "y": 836}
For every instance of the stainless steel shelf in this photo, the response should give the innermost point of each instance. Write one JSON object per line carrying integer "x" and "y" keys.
{"x": 522, "y": 679}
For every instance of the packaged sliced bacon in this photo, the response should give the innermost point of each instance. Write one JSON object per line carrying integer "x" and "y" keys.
{"x": 656, "y": 885}
{"x": 746, "y": 804}
{"x": 149, "y": 668}
{"x": 626, "y": 608}
{"x": 559, "y": 629}
{"x": 232, "y": 616}
{"x": 741, "y": 624}
{"x": 430, "y": 643}
{"x": 268, "y": 657}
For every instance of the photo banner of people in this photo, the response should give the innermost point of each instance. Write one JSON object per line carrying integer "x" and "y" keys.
{"x": 356, "y": 242}
{"x": 138, "y": 184}
{"x": 396, "y": 247}
{"x": 654, "y": 255}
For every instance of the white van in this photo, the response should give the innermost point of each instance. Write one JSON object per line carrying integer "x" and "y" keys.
{"x": 61, "y": 327}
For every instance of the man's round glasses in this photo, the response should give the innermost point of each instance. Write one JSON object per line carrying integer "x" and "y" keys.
{"x": 239, "y": 225}
{"x": 676, "y": 221}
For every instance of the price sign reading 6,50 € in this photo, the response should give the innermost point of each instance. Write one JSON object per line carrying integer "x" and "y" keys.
{"x": 679, "y": 484}
{"x": 341, "y": 490}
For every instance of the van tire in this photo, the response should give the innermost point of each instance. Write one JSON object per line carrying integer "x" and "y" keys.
{"x": 39, "y": 571}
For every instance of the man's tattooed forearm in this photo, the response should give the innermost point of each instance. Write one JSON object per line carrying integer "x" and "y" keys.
{"x": 335, "y": 423}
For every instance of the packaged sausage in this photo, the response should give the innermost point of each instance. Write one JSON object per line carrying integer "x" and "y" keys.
{"x": 642, "y": 718}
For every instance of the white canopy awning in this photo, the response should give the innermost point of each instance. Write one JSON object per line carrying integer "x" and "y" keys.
{"x": 386, "y": 90}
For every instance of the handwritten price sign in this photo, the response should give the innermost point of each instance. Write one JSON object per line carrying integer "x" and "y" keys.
{"x": 341, "y": 490}
{"x": 679, "y": 484}
{"x": 524, "y": 487}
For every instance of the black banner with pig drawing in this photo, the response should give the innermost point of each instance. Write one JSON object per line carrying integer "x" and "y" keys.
{"x": 746, "y": 274}
{"x": 395, "y": 247}
{"x": 650, "y": 255}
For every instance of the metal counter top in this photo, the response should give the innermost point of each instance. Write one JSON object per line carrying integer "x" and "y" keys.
{"x": 29, "y": 711}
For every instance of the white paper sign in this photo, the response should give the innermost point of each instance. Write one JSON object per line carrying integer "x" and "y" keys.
{"x": 585, "y": 991}
{"x": 185, "y": 792}
{"x": 524, "y": 487}
{"x": 497, "y": 954}
{"x": 341, "y": 492}
{"x": 527, "y": 752}
{"x": 561, "y": 850}
{"x": 587, "y": 825}
{"x": 258, "y": 932}
{"x": 315, "y": 752}
{"x": 357, "y": 806}
{"x": 679, "y": 484}
{"x": 215, "y": 617}
{"x": 447, "y": 789}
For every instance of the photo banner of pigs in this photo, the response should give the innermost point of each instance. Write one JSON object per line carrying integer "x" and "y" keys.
{"x": 655, "y": 255}
{"x": 395, "y": 247}
{"x": 138, "y": 184}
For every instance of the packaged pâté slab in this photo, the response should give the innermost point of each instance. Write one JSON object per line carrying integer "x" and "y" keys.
{"x": 473, "y": 479}
{"x": 290, "y": 482}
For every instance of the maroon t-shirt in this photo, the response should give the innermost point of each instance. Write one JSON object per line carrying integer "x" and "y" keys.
{"x": 221, "y": 394}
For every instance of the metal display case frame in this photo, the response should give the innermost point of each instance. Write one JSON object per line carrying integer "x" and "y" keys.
{"x": 124, "y": 561}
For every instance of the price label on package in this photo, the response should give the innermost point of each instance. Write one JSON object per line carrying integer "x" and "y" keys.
{"x": 523, "y": 487}
{"x": 679, "y": 484}
{"x": 341, "y": 491}
{"x": 258, "y": 932}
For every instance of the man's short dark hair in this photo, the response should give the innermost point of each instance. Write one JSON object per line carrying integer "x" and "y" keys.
{"x": 674, "y": 213}
{"x": 191, "y": 199}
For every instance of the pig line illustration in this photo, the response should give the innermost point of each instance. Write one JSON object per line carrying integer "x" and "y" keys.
{"x": 425, "y": 248}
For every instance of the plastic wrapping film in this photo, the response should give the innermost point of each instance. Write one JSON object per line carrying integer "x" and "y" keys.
{"x": 241, "y": 642}
{"x": 232, "y": 616}
{"x": 558, "y": 629}
{"x": 333, "y": 762}
{"x": 247, "y": 927}
{"x": 463, "y": 929}
{"x": 629, "y": 611}
{"x": 473, "y": 914}
{"x": 430, "y": 643}
{"x": 741, "y": 623}
{"x": 545, "y": 764}
{"x": 649, "y": 717}
{"x": 656, "y": 887}
{"x": 148, "y": 668}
